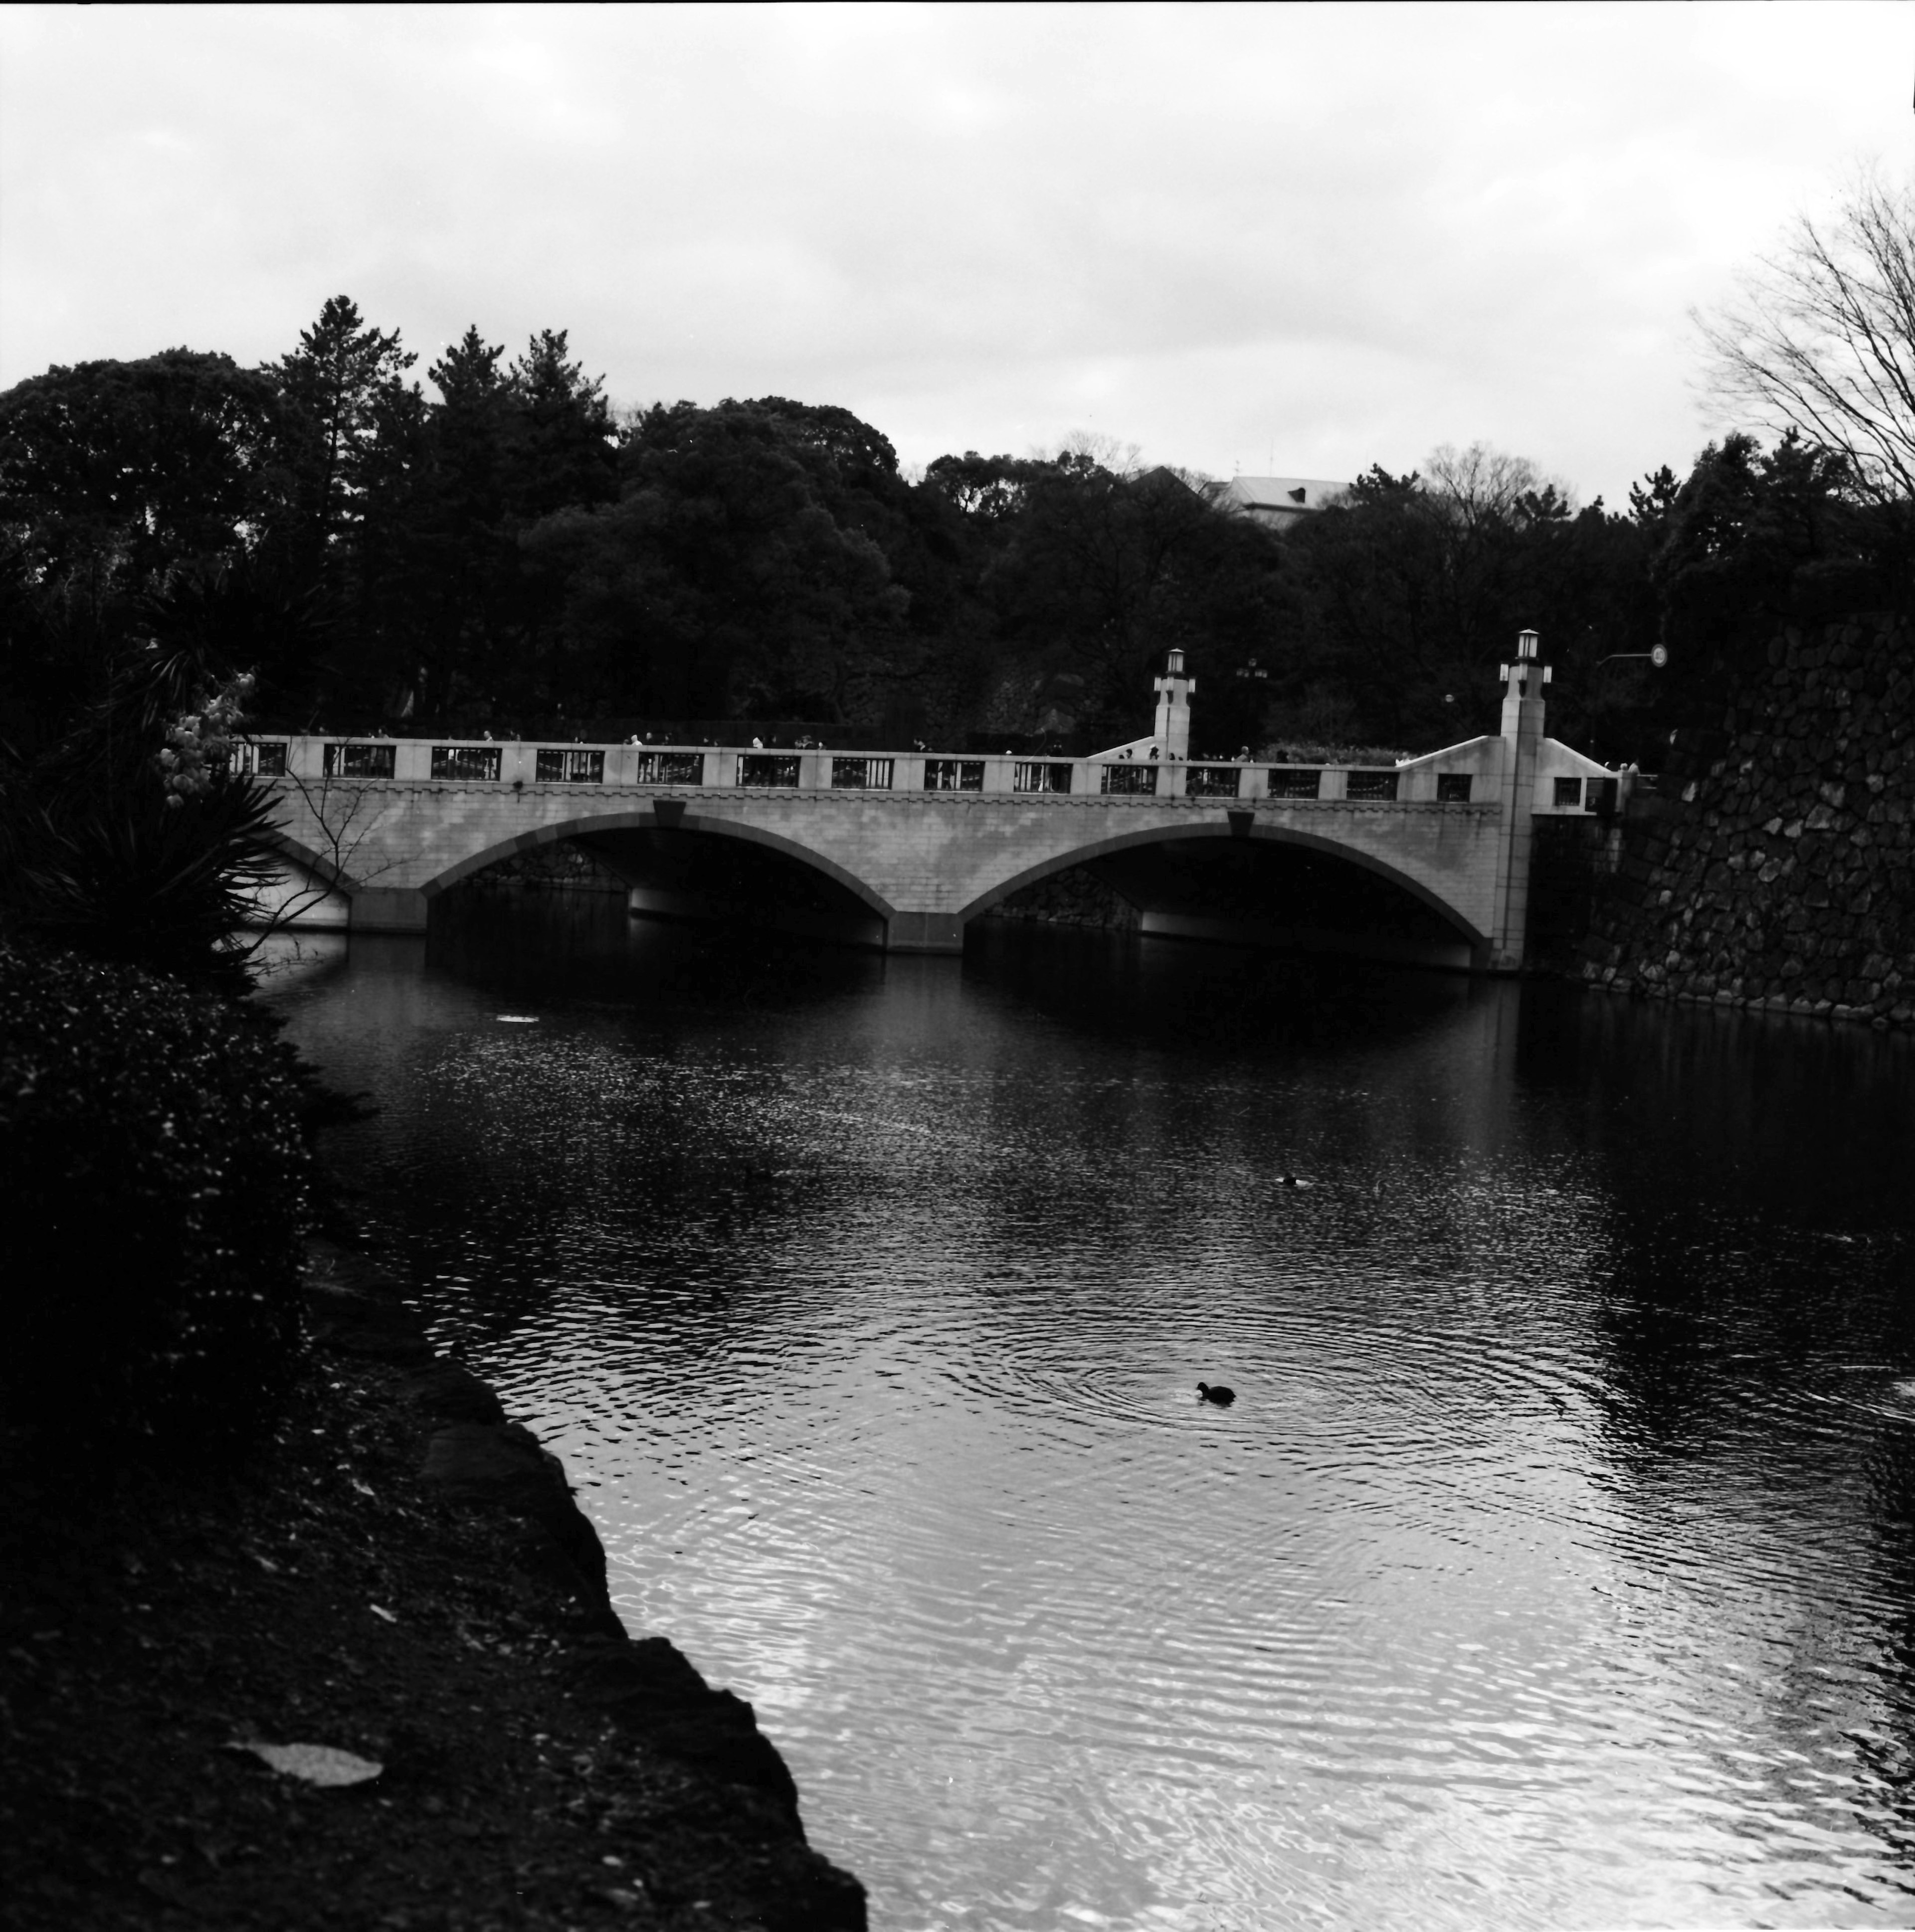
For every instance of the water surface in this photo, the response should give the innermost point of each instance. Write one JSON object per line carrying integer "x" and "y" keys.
{"x": 1554, "y": 1568}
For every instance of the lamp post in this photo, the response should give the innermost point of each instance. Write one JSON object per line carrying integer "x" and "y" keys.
{"x": 1173, "y": 706}
{"x": 1516, "y": 675}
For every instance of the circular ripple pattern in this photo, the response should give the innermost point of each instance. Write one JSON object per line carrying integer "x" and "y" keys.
{"x": 1550, "y": 1569}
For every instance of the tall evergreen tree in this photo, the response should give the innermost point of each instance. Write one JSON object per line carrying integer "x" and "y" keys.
{"x": 462, "y": 562}
{"x": 358, "y": 457}
{"x": 568, "y": 443}
{"x": 341, "y": 377}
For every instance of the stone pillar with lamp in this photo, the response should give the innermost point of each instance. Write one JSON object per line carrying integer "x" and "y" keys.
{"x": 1524, "y": 679}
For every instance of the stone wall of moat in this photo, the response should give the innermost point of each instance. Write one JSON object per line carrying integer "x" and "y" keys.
{"x": 1774, "y": 867}
{"x": 1077, "y": 897}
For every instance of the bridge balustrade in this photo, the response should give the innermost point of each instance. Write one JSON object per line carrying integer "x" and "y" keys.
{"x": 479, "y": 762}
{"x": 571, "y": 767}
{"x": 670, "y": 768}
{"x": 1369, "y": 784}
{"x": 769, "y": 768}
{"x": 1130, "y": 780}
{"x": 409, "y": 760}
{"x": 862, "y": 774}
{"x": 359, "y": 759}
{"x": 1034, "y": 775}
{"x": 1213, "y": 780}
{"x": 954, "y": 775}
{"x": 264, "y": 757}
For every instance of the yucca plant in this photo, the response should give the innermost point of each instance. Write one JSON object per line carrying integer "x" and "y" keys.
{"x": 134, "y": 837}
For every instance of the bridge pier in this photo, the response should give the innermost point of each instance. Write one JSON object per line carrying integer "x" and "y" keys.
{"x": 387, "y": 909}
{"x": 1523, "y": 741}
{"x": 924, "y": 932}
{"x": 842, "y": 929}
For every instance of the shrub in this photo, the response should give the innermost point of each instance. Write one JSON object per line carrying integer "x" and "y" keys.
{"x": 157, "y": 1184}
{"x": 131, "y": 839}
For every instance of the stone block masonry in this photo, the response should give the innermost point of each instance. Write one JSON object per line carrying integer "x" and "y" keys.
{"x": 1775, "y": 868}
{"x": 1075, "y": 897}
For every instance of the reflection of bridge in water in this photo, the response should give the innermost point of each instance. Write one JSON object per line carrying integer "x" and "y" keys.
{"x": 904, "y": 849}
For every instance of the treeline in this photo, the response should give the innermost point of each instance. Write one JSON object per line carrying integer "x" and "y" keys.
{"x": 507, "y": 552}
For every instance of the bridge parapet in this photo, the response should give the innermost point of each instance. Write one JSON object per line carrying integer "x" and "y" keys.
{"x": 1462, "y": 775}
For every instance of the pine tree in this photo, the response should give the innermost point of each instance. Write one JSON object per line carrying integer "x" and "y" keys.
{"x": 568, "y": 441}
{"x": 465, "y": 556}
{"x": 342, "y": 377}
{"x": 359, "y": 458}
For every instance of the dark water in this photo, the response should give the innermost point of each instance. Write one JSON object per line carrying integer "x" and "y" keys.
{"x": 1554, "y": 1568}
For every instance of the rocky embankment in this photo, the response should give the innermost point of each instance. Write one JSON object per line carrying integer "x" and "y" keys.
{"x": 401, "y": 1575}
{"x": 1775, "y": 867}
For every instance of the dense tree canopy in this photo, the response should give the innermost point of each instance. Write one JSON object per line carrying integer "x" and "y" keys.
{"x": 1419, "y": 585}
{"x": 1756, "y": 537}
{"x": 129, "y": 467}
{"x": 734, "y": 574}
{"x": 493, "y": 548}
{"x": 114, "y": 476}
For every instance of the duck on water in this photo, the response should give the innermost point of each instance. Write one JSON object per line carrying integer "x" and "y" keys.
{"x": 1222, "y": 1397}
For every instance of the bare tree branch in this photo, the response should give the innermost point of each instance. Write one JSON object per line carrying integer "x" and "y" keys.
{"x": 335, "y": 810}
{"x": 1822, "y": 338}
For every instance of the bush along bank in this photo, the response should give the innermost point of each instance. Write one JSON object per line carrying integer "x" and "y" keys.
{"x": 245, "y": 1510}
{"x": 1774, "y": 867}
{"x": 158, "y": 1186}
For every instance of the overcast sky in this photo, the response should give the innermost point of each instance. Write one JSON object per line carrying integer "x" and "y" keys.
{"x": 1289, "y": 239}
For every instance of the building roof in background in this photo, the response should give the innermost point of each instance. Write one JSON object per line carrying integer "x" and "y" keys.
{"x": 1278, "y": 499}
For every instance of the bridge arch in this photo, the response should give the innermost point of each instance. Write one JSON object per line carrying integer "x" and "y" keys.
{"x": 1265, "y": 834}
{"x": 324, "y": 870}
{"x": 653, "y": 819}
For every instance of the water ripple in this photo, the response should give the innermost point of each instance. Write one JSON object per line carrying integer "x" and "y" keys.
{"x": 1551, "y": 1567}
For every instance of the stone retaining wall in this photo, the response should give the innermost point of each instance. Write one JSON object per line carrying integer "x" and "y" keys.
{"x": 1077, "y": 897}
{"x": 1775, "y": 867}
{"x": 561, "y": 864}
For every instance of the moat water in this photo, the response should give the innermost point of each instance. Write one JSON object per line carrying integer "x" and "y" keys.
{"x": 1555, "y": 1566}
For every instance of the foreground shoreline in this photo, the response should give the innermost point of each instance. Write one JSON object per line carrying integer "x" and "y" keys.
{"x": 401, "y": 1573}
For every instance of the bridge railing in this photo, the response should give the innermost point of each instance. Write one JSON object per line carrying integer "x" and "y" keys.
{"x": 414, "y": 761}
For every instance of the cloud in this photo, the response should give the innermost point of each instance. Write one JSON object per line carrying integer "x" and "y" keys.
{"x": 1317, "y": 237}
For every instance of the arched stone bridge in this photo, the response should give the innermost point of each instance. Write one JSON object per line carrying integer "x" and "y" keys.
{"x": 922, "y": 843}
